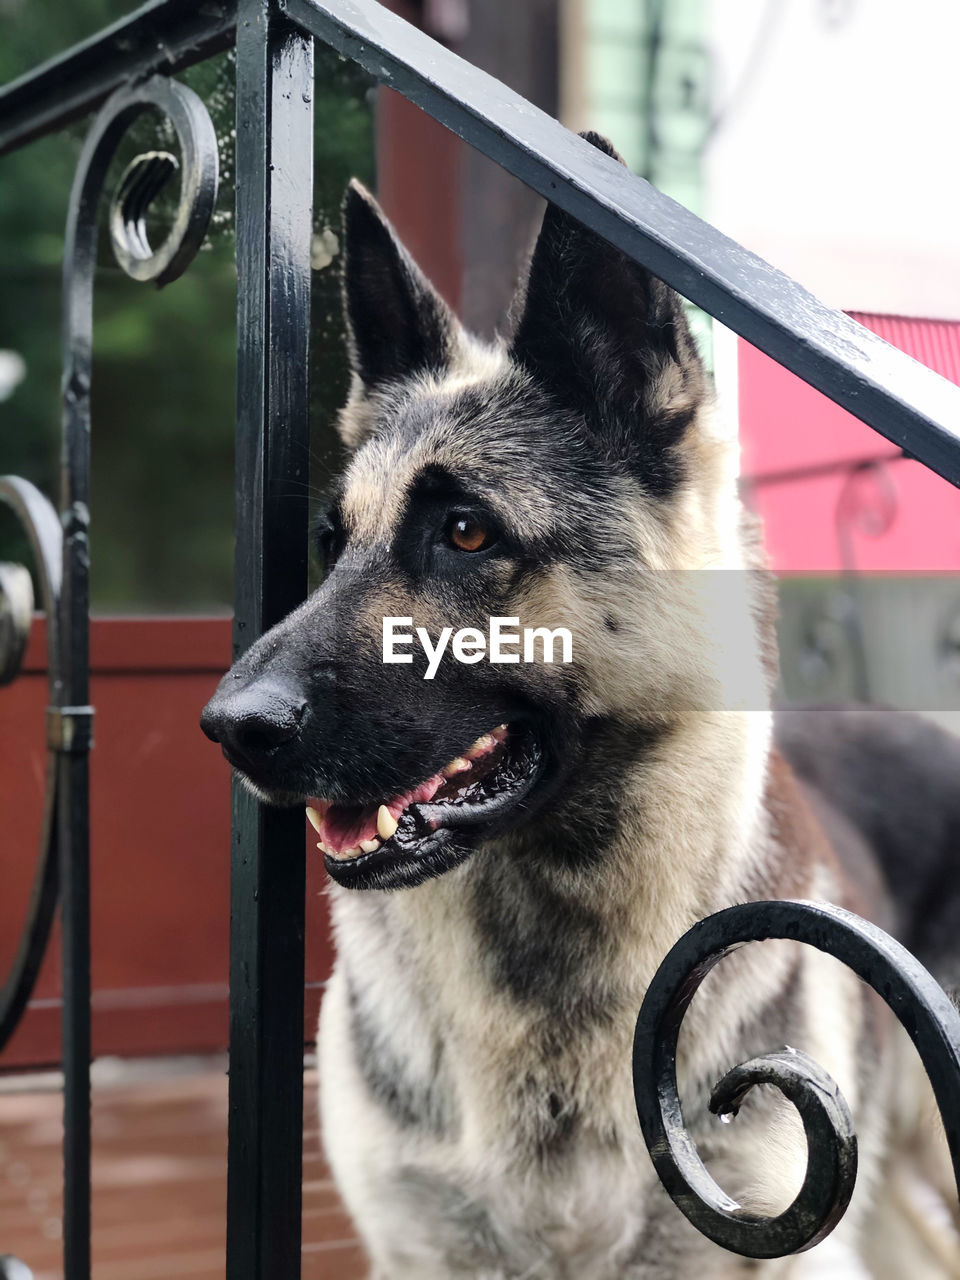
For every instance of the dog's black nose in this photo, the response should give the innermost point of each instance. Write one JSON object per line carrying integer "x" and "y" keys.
{"x": 251, "y": 722}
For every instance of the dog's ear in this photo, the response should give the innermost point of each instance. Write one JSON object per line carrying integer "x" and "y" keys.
{"x": 610, "y": 340}
{"x": 397, "y": 323}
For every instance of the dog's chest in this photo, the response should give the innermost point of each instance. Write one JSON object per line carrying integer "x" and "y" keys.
{"x": 474, "y": 1135}
{"x": 440, "y": 1216}
{"x": 583, "y": 1222}
{"x": 462, "y": 1155}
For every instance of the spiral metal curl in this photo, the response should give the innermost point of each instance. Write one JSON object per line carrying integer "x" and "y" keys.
{"x": 920, "y": 1004}
{"x": 149, "y": 172}
{"x": 62, "y": 549}
{"x": 64, "y": 864}
{"x": 39, "y": 520}
{"x": 142, "y": 181}
{"x": 60, "y": 543}
{"x": 16, "y": 612}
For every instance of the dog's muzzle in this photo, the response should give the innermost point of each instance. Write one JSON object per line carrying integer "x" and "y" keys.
{"x": 252, "y": 722}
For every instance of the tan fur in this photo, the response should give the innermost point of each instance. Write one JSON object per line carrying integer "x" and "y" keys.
{"x": 494, "y": 950}
{"x": 709, "y": 818}
{"x": 701, "y": 831}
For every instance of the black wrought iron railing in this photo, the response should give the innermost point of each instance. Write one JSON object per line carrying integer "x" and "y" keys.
{"x": 129, "y": 68}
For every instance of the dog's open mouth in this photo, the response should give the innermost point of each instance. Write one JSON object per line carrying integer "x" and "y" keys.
{"x": 432, "y": 826}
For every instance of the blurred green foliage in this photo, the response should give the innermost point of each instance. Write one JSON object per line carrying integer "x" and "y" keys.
{"x": 164, "y": 361}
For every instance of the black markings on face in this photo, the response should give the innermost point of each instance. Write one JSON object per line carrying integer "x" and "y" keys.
{"x": 424, "y": 544}
{"x": 508, "y": 455}
{"x": 329, "y": 535}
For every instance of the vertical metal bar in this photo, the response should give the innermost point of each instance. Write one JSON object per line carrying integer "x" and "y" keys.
{"x": 73, "y": 801}
{"x": 274, "y": 218}
{"x": 74, "y": 821}
{"x": 70, "y": 716}
{"x": 73, "y": 811}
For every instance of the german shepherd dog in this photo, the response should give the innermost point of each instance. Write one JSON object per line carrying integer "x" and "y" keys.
{"x": 514, "y": 847}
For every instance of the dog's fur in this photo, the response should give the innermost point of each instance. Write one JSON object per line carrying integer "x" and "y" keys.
{"x": 475, "y": 1039}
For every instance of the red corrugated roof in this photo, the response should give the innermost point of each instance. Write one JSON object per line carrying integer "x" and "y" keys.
{"x": 935, "y": 343}
{"x": 787, "y": 426}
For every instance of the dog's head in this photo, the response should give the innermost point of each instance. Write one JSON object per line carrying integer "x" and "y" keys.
{"x": 564, "y": 479}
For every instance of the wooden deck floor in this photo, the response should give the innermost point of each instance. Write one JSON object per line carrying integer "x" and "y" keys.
{"x": 159, "y": 1178}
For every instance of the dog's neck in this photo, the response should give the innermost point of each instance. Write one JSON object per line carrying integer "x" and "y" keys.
{"x": 515, "y": 926}
{"x": 512, "y": 982}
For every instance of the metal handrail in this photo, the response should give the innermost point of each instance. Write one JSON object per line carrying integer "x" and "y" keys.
{"x": 62, "y": 551}
{"x": 161, "y": 37}
{"x": 911, "y": 405}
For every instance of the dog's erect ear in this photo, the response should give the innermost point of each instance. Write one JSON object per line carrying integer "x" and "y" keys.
{"x": 397, "y": 322}
{"x": 610, "y": 341}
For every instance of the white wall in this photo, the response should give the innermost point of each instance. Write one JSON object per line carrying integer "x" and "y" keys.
{"x": 839, "y": 160}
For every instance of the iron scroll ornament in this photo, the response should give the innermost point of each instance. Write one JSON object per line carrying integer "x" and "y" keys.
{"x": 921, "y": 1005}
{"x": 39, "y": 520}
{"x": 62, "y": 547}
{"x": 198, "y": 191}
{"x": 140, "y": 183}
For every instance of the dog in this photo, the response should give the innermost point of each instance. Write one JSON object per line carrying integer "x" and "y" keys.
{"x": 513, "y": 847}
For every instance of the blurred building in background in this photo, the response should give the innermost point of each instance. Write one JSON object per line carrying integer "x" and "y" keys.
{"x": 815, "y": 133}
{"x": 828, "y": 157}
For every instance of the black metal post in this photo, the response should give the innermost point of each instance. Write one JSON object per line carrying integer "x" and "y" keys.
{"x": 69, "y": 727}
{"x": 73, "y": 801}
{"x": 274, "y": 219}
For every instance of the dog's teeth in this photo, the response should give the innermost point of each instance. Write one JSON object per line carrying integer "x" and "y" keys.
{"x": 456, "y": 766}
{"x": 368, "y": 846}
{"x": 386, "y": 822}
{"x": 314, "y": 818}
{"x": 344, "y": 855}
{"x": 499, "y": 733}
{"x": 481, "y": 746}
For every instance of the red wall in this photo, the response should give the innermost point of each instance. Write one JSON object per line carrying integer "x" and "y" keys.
{"x": 160, "y": 815}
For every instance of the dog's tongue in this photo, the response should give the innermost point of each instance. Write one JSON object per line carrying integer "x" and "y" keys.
{"x": 345, "y": 826}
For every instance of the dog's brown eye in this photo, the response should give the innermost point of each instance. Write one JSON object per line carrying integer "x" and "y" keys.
{"x": 468, "y": 534}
